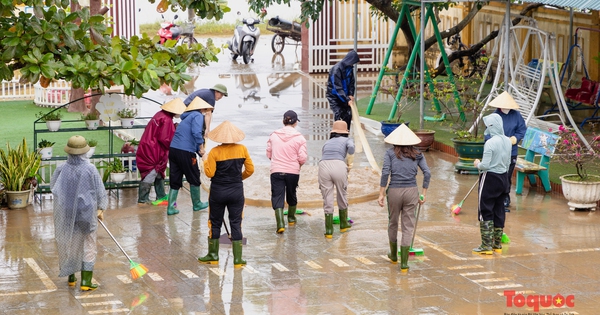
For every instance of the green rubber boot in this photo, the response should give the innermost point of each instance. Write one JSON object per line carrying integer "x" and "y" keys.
{"x": 344, "y": 224}
{"x": 237, "y": 254}
{"x": 487, "y": 235}
{"x": 393, "y": 254}
{"x": 291, "y": 215}
{"x": 404, "y": 252}
{"x": 328, "y": 225}
{"x": 86, "y": 281}
{"x": 72, "y": 280}
{"x": 172, "y": 200}
{"x": 213, "y": 252}
{"x": 497, "y": 245}
{"x": 279, "y": 219}
{"x": 159, "y": 188}
{"x": 197, "y": 204}
{"x": 144, "y": 193}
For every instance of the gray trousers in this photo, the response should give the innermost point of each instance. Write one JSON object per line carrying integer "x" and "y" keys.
{"x": 333, "y": 174}
{"x": 402, "y": 202}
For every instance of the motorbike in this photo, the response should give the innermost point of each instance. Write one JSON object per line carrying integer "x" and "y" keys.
{"x": 169, "y": 30}
{"x": 245, "y": 38}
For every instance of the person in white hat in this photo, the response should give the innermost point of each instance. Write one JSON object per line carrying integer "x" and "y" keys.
{"x": 514, "y": 129}
{"x": 79, "y": 199}
{"x": 227, "y": 165}
{"x": 400, "y": 166}
{"x": 187, "y": 142}
{"x": 153, "y": 151}
{"x": 336, "y": 162}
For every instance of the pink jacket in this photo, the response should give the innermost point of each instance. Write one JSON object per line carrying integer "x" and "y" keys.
{"x": 286, "y": 149}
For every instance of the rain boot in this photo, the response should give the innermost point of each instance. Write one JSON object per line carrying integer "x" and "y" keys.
{"x": 237, "y": 254}
{"x": 404, "y": 251}
{"x": 172, "y": 200}
{"x": 487, "y": 235}
{"x": 393, "y": 254}
{"x": 497, "y": 245}
{"x": 72, "y": 280}
{"x": 328, "y": 225}
{"x": 291, "y": 215}
{"x": 213, "y": 252}
{"x": 197, "y": 204}
{"x": 279, "y": 219}
{"x": 144, "y": 193}
{"x": 159, "y": 188}
{"x": 86, "y": 281}
{"x": 344, "y": 224}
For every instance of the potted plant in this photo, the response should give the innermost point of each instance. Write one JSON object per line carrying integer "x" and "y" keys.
{"x": 18, "y": 171}
{"x": 127, "y": 116}
{"x": 45, "y": 149}
{"x": 582, "y": 190}
{"x": 387, "y": 126}
{"x": 92, "y": 143}
{"x": 92, "y": 120}
{"x": 427, "y": 137}
{"x": 115, "y": 170}
{"x": 51, "y": 118}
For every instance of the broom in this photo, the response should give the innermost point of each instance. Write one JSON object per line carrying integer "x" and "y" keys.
{"x": 456, "y": 208}
{"x": 416, "y": 251}
{"x": 136, "y": 270}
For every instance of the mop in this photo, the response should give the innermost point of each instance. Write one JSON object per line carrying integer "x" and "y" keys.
{"x": 136, "y": 270}
{"x": 456, "y": 208}
{"x": 416, "y": 251}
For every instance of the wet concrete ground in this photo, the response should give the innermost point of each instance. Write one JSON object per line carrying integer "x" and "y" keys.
{"x": 552, "y": 250}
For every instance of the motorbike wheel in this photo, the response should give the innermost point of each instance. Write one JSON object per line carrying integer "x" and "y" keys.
{"x": 277, "y": 43}
{"x": 187, "y": 40}
{"x": 246, "y": 52}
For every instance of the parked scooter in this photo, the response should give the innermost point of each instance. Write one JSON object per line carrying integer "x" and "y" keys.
{"x": 245, "y": 38}
{"x": 169, "y": 30}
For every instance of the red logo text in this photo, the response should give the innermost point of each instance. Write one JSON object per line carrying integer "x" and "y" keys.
{"x": 537, "y": 300}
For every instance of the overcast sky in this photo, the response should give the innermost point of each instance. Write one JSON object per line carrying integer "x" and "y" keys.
{"x": 147, "y": 11}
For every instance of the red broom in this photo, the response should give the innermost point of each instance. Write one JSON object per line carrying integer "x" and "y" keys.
{"x": 136, "y": 270}
{"x": 456, "y": 208}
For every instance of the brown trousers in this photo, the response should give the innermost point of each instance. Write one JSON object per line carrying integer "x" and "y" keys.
{"x": 402, "y": 202}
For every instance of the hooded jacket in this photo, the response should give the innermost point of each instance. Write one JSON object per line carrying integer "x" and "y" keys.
{"x": 497, "y": 150}
{"x": 513, "y": 125}
{"x": 189, "y": 135}
{"x": 286, "y": 148}
{"x": 341, "y": 79}
{"x": 153, "y": 151}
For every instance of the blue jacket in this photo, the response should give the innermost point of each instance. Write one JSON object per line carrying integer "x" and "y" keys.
{"x": 341, "y": 79}
{"x": 189, "y": 135}
{"x": 208, "y": 95}
{"x": 514, "y": 125}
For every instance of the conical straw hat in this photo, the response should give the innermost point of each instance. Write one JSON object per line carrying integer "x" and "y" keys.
{"x": 197, "y": 104}
{"x": 175, "y": 106}
{"x": 226, "y": 132}
{"x": 504, "y": 100}
{"x": 402, "y": 136}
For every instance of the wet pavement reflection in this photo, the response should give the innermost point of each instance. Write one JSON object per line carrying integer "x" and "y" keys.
{"x": 552, "y": 250}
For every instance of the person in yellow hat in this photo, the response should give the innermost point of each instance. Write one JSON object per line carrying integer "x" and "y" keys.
{"x": 79, "y": 198}
{"x": 400, "y": 166}
{"x": 514, "y": 129}
{"x": 153, "y": 151}
{"x": 227, "y": 165}
{"x": 187, "y": 142}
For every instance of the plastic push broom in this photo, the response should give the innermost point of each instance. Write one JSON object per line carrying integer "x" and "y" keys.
{"x": 136, "y": 270}
{"x": 416, "y": 251}
{"x": 456, "y": 208}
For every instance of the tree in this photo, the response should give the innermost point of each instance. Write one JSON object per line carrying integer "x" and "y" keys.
{"x": 53, "y": 43}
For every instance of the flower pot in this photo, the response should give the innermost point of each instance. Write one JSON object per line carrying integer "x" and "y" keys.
{"x": 467, "y": 152}
{"x": 90, "y": 153}
{"x": 427, "y": 137}
{"x": 17, "y": 199}
{"x": 46, "y": 153}
{"x": 581, "y": 195}
{"x": 127, "y": 122}
{"x": 117, "y": 178}
{"x": 92, "y": 124}
{"x": 53, "y": 125}
{"x": 387, "y": 127}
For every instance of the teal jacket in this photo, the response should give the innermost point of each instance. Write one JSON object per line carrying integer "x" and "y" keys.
{"x": 497, "y": 150}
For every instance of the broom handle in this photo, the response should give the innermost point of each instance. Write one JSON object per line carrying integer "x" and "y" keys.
{"x": 415, "y": 228}
{"x": 471, "y": 189}
{"x": 113, "y": 238}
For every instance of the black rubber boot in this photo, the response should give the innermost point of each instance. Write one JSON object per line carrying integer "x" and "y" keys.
{"x": 487, "y": 235}
{"x": 328, "y": 225}
{"x": 237, "y": 254}
{"x": 213, "y": 252}
{"x": 280, "y": 221}
{"x": 291, "y": 215}
{"x": 159, "y": 188}
{"x": 86, "y": 281}
{"x": 393, "y": 254}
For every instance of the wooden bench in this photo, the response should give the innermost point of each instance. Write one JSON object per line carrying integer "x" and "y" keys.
{"x": 537, "y": 143}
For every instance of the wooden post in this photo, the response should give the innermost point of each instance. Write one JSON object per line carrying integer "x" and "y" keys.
{"x": 594, "y": 48}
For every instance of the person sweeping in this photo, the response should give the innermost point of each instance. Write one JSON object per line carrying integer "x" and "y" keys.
{"x": 400, "y": 167}
{"x": 79, "y": 200}
{"x": 493, "y": 185}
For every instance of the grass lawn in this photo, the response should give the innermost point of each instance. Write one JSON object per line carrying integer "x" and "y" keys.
{"x": 18, "y": 118}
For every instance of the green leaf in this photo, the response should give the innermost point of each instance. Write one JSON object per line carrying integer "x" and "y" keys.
{"x": 127, "y": 66}
{"x": 125, "y": 80}
{"x": 47, "y": 71}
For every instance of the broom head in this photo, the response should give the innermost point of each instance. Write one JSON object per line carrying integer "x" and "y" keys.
{"x": 505, "y": 239}
{"x": 455, "y": 209}
{"x": 137, "y": 270}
